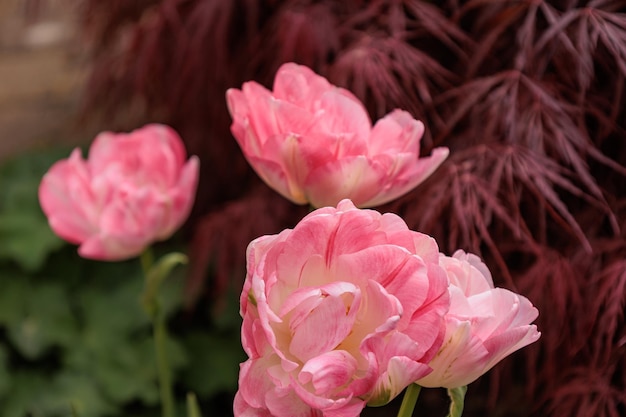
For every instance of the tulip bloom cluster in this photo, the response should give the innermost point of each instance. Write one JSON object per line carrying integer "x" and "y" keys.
{"x": 136, "y": 188}
{"x": 314, "y": 142}
{"x": 350, "y": 307}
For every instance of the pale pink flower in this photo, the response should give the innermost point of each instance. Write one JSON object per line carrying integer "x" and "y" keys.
{"x": 314, "y": 142}
{"x": 484, "y": 324}
{"x": 345, "y": 309}
{"x": 135, "y": 188}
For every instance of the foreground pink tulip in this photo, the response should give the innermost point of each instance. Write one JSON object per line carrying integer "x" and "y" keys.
{"x": 314, "y": 142}
{"x": 134, "y": 189}
{"x": 484, "y": 324}
{"x": 345, "y": 309}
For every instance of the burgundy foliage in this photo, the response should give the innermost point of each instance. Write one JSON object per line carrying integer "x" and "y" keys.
{"x": 529, "y": 95}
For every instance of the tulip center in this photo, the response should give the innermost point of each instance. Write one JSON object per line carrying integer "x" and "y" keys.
{"x": 320, "y": 318}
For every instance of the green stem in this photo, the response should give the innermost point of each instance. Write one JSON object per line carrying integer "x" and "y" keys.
{"x": 147, "y": 260}
{"x": 74, "y": 410}
{"x": 457, "y": 400}
{"x": 409, "y": 400}
{"x": 151, "y": 304}
{"x": 163, "y": 368}
{"x": 193, "y": 410}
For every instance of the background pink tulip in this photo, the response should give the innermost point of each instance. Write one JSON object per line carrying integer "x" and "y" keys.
{"x": 484, "y": 324}
{"x": 134, "y": 189}
{"x": 345, "y": 309}
{"x": 314, "y": 142}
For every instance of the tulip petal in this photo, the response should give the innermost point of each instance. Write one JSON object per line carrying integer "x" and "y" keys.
{"x": 396, "y": 133}
{"x": 243, "y": 409}
{"x": 254, "y": 382}
{"x": 182, "y": 198}
{"x": 343, "y": 115}
{"x": 286, "y": 403}
{"x": 356, "y": 178}
{"x": 328, "y": 371}
{"x": 409, "y": 174}
{"x": 67, "y": 200}
{"x": 323, "y": 329}
{"x": 461, "y": 358}
{"x": 299, "y": 85}
{"x": 239, "y": 111}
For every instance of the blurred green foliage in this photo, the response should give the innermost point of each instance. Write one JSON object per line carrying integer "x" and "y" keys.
{"x": 73, "y": 335}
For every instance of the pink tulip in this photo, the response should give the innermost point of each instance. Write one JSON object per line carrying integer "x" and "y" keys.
{"x": 314, "y": 142}
{"x": 136, "y": 188}
{"x": 345, "y": 309}
{"x": 484, "y": 324}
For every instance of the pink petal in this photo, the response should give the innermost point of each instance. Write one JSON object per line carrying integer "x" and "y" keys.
{"x": 67, "y": 200}
{"x": 239, "y": 111}
{"x": 352, "y": 408}
{"x": 477, "y": 263}
{"x": 274, "y": 175}
{"x": 466, "y": 276}
{"x": 400, "y": 364}
{"x": 154, "y": 153}
{"x": 103, "y": 248}
{"x": 422, "y": 292}
{"x": 398, "y": 132}
{"x": 163, "y": 154}
{"x": 328, "y": 371}
{"x": 461, "y": 360}
{"x": 243, "y": 409}
{"x": 262, "y": 111}
{"x": 301, "y": 295}
{"x": 381, "y": 316}
{"x": 254, "y": 381}
{"x": 182, "y": 197}
{"x": 299, "y": 85}
{"x": 344, "y": 115}
{"x": 500, "y": 309}
{"x": 355, "y": 178}
{"x": 286, "y": 403}
{"x": 129, "y": 223}
{"x": 323, "y": 328}
{"x": 507, "y": 342}
{"x": 410, "y": 172}
{"x": 303, "y": 87}
{"x": 102, "y": 151}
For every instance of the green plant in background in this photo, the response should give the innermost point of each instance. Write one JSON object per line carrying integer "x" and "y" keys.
{"x": 73, "y": 335}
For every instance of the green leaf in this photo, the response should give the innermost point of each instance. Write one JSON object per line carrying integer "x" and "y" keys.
{"x": 26, "y": 239}
{"x": 116, "y": 342}
{"x": 25, "y": 236}
{"x": 14, "y": 290}
{"x": 24, "y": 396}
{"x": 5, "y": 376}
{"x": 114, "y": 312}
{"x": 42, "y": 319}
{"x": 38, "y": 395}
{"x": 156, "y": 275}
{"x": 77, "y": 392}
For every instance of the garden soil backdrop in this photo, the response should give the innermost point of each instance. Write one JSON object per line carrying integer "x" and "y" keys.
{"x": 528, "y": 95}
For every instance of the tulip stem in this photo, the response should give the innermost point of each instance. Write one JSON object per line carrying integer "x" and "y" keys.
{"x": 151, "y": 305}
{"x": 457, "y": 400}
{"x": 192, "y": 406}
{"x": 409, "y": 400}
{"x": 163, "y": 368}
